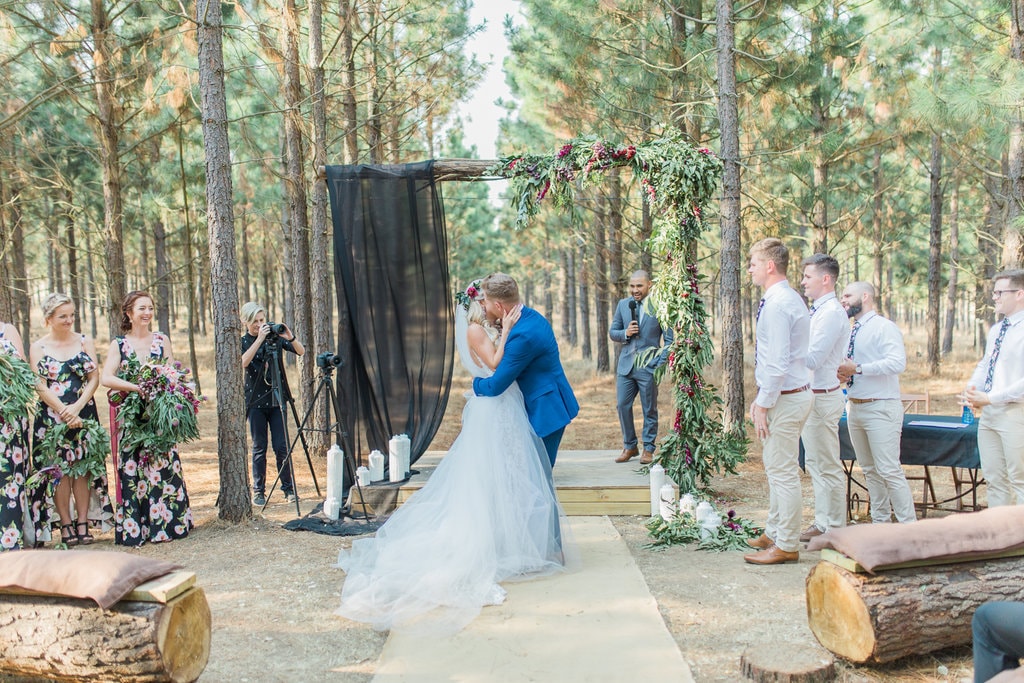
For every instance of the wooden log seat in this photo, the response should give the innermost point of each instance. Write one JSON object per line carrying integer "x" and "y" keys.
{"x": 886, "y": 591}
{"x": 158, "y": 630}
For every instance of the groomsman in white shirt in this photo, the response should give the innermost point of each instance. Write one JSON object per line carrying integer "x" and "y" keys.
{"x": 783, "y": 399}
{"x": 875, "y": 359}
{"x": 997, "y": 385}
{"x": 830, "y": 336}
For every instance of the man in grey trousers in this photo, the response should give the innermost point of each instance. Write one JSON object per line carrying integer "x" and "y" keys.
{"x": 637, "y": 329}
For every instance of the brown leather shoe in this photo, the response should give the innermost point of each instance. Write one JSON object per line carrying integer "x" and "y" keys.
{"x": 647, "y": 458}
{"x": 761, "y": 542}
{"x": 772, "y": 555}
{"x": 809, "y": 533}
{"x": 627, "y": 453}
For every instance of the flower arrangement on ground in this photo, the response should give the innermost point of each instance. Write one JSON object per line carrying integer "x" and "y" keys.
{"x": 162, "y": 413}
{"x": 685, "y": 528}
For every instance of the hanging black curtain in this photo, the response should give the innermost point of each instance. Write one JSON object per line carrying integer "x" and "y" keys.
{"x": 396, "y": 324}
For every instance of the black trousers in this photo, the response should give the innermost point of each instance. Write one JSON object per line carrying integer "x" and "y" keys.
{"x": 260, "y": 420}
{"x": 998, "y": 631}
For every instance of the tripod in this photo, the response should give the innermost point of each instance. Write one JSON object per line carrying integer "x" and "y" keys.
{"x": 327, "y": 362}
{"x": 278, "y": 401}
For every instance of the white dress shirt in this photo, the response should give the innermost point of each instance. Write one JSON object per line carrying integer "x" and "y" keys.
{"x": 879, "y": 351}
{"x": 830, "y": 337}
{"x": 782, "y": 331}
{"x": 1008, "y": 377}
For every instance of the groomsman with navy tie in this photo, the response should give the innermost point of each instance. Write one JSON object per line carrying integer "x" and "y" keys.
{"x": 997, "y": 385}
{"x": 876, "y": 357}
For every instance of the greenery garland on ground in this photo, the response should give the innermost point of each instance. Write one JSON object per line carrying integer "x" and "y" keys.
{"x": 678, "y": 181}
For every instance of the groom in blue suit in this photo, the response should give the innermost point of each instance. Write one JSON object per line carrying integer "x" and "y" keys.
{"x": 531, "y": 358}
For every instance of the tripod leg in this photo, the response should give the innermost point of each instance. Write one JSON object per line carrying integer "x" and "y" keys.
{"x": 300, "y": 435}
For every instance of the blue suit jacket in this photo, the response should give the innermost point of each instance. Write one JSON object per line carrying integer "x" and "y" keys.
{"x": 531, "y": 358}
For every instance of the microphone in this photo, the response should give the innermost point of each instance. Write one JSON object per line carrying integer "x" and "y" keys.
{"x": 632, "y": 309}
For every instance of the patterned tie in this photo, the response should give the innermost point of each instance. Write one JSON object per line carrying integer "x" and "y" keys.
{"x": 814, "y": 309}
{"x": 760, "y": 307}
{"x": 849, "y": 349}
{"x": 995, "y": 354}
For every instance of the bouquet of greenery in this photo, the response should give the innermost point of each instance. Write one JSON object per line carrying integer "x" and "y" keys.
{"x": 89, "y": 452}
{"x": 162, "y": 413}
{"x": 19, "y": 383}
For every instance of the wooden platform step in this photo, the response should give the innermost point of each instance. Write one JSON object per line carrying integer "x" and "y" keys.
{"x": 587, "y": 482}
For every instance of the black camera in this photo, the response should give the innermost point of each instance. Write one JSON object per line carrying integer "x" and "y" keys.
{"x": 328, "y": 360}
{"x": 277, "y": 328}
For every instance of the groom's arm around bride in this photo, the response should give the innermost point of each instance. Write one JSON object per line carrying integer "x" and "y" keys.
{"x": 531, "y": 358}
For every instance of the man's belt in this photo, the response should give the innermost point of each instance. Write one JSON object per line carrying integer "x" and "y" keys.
{"x": 795, "y": 391}
{"x": 826, "y": 391}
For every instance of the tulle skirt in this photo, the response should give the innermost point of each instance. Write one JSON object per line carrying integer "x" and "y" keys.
{"x": 487, "y": 514}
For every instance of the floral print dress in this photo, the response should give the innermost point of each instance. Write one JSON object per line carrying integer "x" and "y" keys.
{"x": 154, "y": 503}
{"x": 13, "y": 472}
{"x": 66, "y": 379}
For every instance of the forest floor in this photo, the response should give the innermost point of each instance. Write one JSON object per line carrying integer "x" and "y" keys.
{"x": 273, "y": 592}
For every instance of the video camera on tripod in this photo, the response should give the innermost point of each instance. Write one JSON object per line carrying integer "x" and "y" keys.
{"x": 327, "y": 361}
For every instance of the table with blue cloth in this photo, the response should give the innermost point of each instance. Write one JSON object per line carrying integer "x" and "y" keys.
{"x": 925, "y": 443}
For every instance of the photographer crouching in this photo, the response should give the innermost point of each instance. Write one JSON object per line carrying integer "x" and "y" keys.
{"x": 261, "y": 344}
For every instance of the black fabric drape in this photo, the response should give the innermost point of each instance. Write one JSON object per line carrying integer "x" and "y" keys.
{"x": 396, "y": 324}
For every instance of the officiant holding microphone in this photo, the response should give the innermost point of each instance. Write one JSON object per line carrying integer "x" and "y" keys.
{"x": 637, "y": 328}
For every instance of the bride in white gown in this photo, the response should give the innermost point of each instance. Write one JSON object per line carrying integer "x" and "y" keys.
{"x": 487, "y": 514}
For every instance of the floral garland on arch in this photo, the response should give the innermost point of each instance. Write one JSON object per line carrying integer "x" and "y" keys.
{"x": 678, "y": 181}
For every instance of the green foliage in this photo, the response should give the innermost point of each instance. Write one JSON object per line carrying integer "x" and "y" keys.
{"x": 76, "y": 452}
{"x": 19, "y": 383}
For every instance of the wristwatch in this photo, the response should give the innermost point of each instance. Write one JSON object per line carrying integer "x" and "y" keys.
{"x": 857, "y": 370}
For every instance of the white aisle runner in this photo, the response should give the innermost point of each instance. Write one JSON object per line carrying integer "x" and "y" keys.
{"x": 598, "y": 624}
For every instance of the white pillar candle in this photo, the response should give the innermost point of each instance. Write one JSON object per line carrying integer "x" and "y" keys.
{"x": 376, "y": 466}
{"x": 395, "y": 471}
{"x": 335, "y": 472}
{"x": 669, "y": 504}
{"x": 363, "y": 475}
{"x": 657, "y": 480}
{"x": 332, "y": 508}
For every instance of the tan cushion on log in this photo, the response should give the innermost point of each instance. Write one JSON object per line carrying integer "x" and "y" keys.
{"x": 98, "y": 575}
{"x": 960, "y": 536}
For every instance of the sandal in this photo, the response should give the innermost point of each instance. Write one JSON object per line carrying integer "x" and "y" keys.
{"x": 86, "y": 538}
{"x": 67, "y": 537}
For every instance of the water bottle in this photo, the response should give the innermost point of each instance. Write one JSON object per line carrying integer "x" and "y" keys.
{"x": 844, "y": 401}
{"x": 968, "y": 416}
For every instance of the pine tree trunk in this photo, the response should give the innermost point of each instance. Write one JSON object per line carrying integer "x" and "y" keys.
{"x": 954, "y": 265}
{"x": 163, "y": 276}
{"x": 320, "y": 254}
{"x": 730, "y": 256}
{"x": 350, "y": 120}
{"x": 233, "y": 497}
{"x": 108, "y": 127}
{"x": 601, "y": 287}
{"x": 584, "y": 298}
{"x": 935, "y": 253}
{"x": 1013, "y": 252}
{"x": 296, "y": 187}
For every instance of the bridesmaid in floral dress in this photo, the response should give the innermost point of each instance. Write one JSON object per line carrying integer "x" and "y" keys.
{"x": 65, "y": 360}
{"x": 13, "y": 457}
{"x": 154, "y": 503}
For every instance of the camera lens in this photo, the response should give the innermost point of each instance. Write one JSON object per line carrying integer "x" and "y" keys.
{"x": 277, "y": 328}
